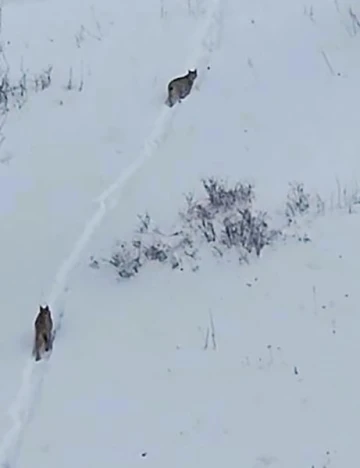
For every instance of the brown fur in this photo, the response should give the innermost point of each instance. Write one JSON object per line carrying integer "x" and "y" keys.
{"x": 43, "y": 332}
{"x": 180, "y": 87}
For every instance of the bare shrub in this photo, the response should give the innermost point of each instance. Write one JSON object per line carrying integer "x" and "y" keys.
{"x": 247, "y": 230}
{"x": 297, "y": 203}
{"x": 126, "y": 260}
{"x": 222, "y": 197}
{"x": 227, "y": 218}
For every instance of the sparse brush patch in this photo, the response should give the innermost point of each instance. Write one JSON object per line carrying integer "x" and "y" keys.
{"x": 14, "y": 93}
{"x": 224, "y": 221}
{"x": 297, "y": 203}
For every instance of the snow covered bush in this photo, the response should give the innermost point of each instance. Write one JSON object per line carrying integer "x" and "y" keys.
{"x": 224, "y": 222}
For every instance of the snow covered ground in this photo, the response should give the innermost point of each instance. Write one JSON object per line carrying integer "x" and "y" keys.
{"x": 130, "y": 381}
{"x": 133, "y": 377}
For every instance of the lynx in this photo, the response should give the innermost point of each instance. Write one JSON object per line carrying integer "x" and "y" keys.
{"x": 180, "y": 87}
{"x": 43, "y": 332}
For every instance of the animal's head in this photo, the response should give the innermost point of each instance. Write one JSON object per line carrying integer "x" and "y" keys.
{"x": 45, "y": 310}
{"x": 192, "y": 75}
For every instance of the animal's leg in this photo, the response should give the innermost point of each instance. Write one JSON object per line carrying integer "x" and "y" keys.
{"x": 34, "y": 348}
{"x": 170, "y": 100}
{"x": 38, "y": 345}
{"x": 37, "y": 351}
{"x": 50, "y": 342}
{"x": 47, "y": 341}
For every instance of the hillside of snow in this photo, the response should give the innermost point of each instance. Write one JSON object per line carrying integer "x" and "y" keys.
{"x": 229, "y": 357}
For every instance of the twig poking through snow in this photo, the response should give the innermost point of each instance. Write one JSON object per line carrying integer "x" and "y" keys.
{"x": 271, "y": 357}
{"x": 81, "y": 85}
{"x": 97, "y": 22}
{"x": 309, "y": 13}
{"x": 354, "y": 22}
{"x": 210, "y": 331}
{"x": 327, "y": 61}
{"x": 207, "y": 338}
{"x": 314, "y": 299}
{"x": 69, "y": 86}
{"x": 162, "y": 9}
{"x": 213, "y": 333}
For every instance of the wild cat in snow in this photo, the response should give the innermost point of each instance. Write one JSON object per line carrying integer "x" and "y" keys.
{"x": 43, "y": 332}
{"x": 180, "y": 87}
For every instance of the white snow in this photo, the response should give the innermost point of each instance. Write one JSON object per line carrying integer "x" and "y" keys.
{"x": 134, "y": 377}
